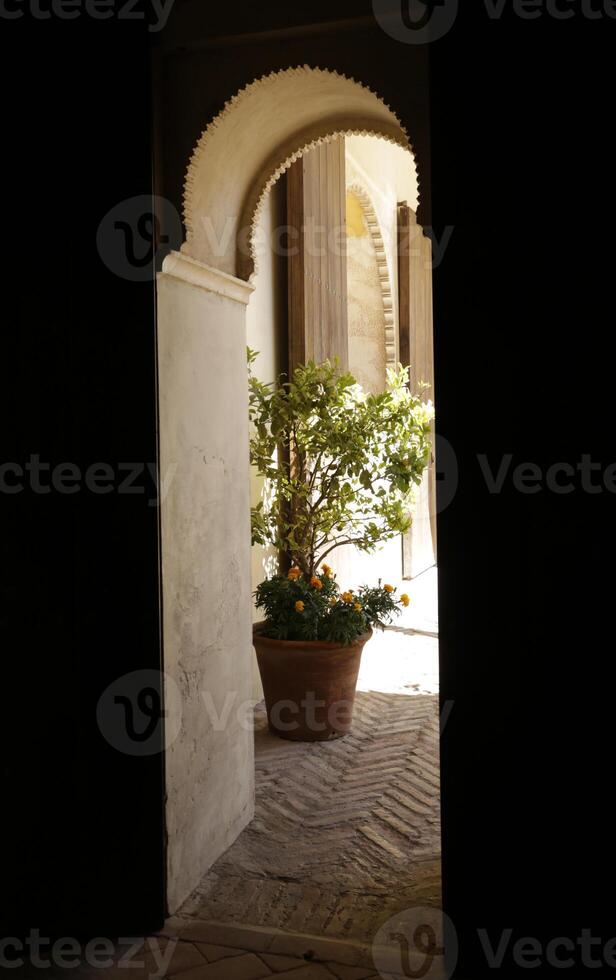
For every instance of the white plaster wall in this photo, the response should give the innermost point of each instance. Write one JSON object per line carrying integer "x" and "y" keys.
{"x": 206, "y": 573}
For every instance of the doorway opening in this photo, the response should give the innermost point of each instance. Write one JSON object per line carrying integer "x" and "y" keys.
{"x": 317, "y": 839}
{"x": 345, "y": 833}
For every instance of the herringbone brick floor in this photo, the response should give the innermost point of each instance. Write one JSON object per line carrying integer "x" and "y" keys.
{"x": 346, "y": 833}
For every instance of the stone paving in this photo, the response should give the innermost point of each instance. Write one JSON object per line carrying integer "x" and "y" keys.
{"x": 346, "y": 835}
{"x": 213, "y": 951}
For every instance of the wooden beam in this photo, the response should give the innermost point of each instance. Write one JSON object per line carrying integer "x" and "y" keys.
{"x": 296, "y": 263}
{"x": 316, "y": 203}
{"x": 179, "y": 45}
{"x": 404, "y": 285}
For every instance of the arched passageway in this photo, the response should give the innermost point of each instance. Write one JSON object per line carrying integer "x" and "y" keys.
{"x": 203, "y": 292}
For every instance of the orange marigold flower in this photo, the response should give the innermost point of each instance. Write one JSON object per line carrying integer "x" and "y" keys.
{"x": 299, "y": 606}
{"x": 389, "y": 588}
{"x": 294, "y": 573}
{"x": 358, "y": 607}
{"x": 404, "y": 599}
{"x": 327, "y": 570}
{"x": 347, "y": 597}
{"x": 316, "y": 582}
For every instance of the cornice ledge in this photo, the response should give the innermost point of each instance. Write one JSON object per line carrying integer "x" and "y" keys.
{"x": 179, "y": 265}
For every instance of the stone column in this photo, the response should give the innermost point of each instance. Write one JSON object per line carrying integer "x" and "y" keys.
{"x": 206, "y": 581}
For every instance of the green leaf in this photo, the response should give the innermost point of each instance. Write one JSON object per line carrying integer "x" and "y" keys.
{"x": 351, "y": 460}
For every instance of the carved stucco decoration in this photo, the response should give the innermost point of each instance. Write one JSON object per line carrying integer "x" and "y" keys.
{"x": 372, "y": 223}
{"x": 260, "y": 132}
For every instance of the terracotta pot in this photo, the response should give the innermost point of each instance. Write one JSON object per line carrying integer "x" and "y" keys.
{"x": 309, "y": 686}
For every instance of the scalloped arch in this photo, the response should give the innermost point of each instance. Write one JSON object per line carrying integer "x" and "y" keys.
{"x": 254, "y": 139}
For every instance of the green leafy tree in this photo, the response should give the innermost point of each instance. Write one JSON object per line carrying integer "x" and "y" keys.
{"x": 340, "y": 465}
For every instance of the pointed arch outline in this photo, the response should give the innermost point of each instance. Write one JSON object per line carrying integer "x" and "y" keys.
{"x": 269, "y": 124}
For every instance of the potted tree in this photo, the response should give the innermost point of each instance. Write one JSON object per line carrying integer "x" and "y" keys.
{"x": 340, "y": 467}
